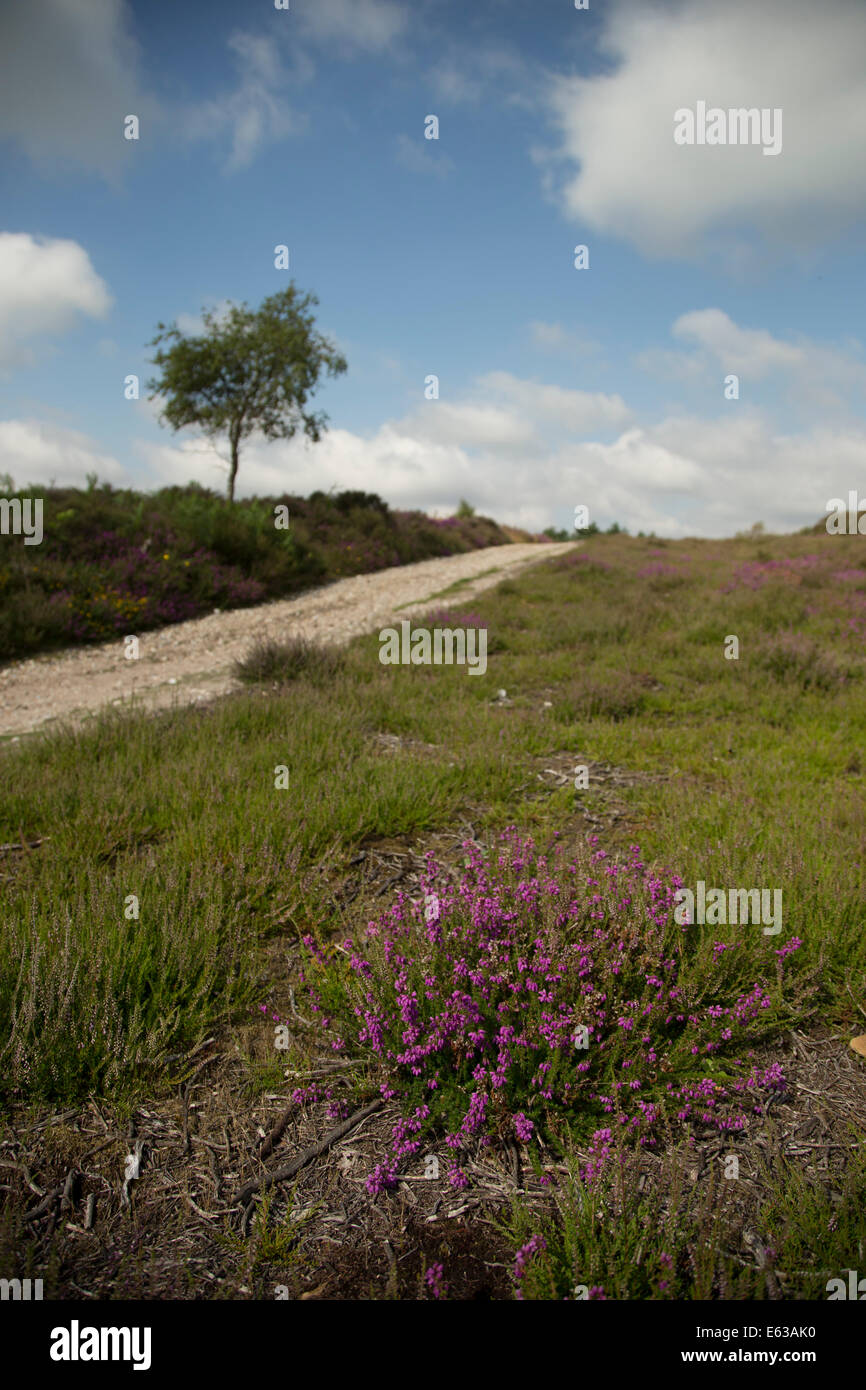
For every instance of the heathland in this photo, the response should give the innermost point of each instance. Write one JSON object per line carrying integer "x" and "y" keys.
{"x": 390, "y": 892}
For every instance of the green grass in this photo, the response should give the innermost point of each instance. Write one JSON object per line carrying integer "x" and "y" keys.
{"x": 762, "y": 758}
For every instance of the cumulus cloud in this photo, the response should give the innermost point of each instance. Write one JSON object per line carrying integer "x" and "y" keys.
{"x": 816, "y": 375}
{"x": 689, "y": 475}
{"x": 34, "y": 451}
{"x": 557, "y": 406}
{"x": 633, "y": 181}
{"x": 45, "y": 284}
{"x": 69, "y": 76}
{"x": 751, "y": 350}
{"x": 469, "y": 425}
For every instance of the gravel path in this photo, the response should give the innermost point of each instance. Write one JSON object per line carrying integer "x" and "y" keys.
{"x": 192, "y": 661}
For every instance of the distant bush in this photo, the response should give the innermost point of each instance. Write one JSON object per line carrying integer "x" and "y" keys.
{"x": 114, "y": 561}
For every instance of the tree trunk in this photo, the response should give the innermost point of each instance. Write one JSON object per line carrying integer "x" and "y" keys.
{"x": 233, "y": 470}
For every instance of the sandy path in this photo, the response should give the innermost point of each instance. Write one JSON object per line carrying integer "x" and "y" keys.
{"x": 191, "y": 662}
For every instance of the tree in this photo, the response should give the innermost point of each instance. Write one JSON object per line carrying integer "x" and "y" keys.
{"x": 249, "y": 370}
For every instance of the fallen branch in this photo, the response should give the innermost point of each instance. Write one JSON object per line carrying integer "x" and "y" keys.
{"x": 290, "y": 1169}
{"x": 47, "y": 1201}
{"x": 277, "y": 1132}
{"x": 23, "y": 845}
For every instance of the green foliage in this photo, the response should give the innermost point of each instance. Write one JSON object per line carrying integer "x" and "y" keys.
{"x": 249, "y": 371}
{"x": 657, "y": 1236}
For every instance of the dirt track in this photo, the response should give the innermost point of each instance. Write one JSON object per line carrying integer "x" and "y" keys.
{"x": 192, "y": 661}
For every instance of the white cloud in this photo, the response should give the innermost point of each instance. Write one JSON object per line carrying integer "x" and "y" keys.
{"x": 45, "y": 283}
{"x": 557, "y": 406}
{"x": 350, "y": 25}
{"x": 256, "y": 112}
{"x": 68, "y": 73}
{"x": 635, "y": 182}
{"x": 815, "y": 374}
{"x": 693, "y": 476}
{"x": 34, "y": 451}
{"x": 751, "y": 350}
{"x": 469, "y": 426}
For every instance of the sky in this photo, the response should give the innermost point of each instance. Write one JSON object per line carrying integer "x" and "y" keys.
{"x": 606, "y": 386}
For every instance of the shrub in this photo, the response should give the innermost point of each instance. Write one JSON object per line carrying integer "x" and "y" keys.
{"x": 270, "y": 662}
{"x": 523, "y": 1002}
{"x": 794, "y": 659}
{"x": 611, "y": 697}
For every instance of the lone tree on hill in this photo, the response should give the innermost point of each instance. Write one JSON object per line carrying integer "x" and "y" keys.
{"x": 248, "y": 371}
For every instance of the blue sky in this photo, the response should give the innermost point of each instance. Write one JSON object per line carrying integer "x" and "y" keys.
{"x": 602, "y": 387}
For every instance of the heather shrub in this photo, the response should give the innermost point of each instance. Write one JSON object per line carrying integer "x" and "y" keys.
{"x": 610, "y": 697}
{"x": 270, "y": 662}
{"x": 795, "y": 659}
{"x": 527, "y": 1000}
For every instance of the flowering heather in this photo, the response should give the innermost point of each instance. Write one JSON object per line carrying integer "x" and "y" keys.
{"x": 539, "y": 997}
{"x": 446, "y": 617}
{"x": 754, "y": 574}
{"x": 521, "y": 1260}
{"x": 435, "y": 1281}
